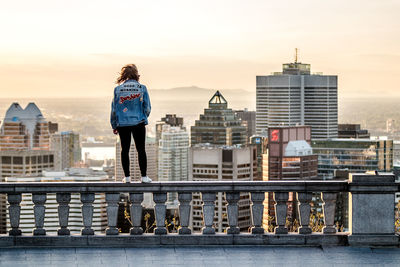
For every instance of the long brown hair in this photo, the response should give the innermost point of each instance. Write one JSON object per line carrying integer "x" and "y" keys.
{"x": 128, "y": 72}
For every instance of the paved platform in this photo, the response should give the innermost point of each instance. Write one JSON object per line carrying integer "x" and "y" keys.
{"x": 201, "y": 256}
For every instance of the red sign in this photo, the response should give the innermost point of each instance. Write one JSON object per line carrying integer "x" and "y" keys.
{"x": 275, "y": 135}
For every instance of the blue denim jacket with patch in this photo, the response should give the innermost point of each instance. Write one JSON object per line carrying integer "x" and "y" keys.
{"x": 131, "y": 104}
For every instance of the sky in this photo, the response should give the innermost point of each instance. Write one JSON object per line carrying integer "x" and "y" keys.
{"x": 55, "y": 48}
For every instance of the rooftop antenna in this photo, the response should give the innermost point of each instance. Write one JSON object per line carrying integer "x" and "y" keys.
{"x": 296, "y": 54}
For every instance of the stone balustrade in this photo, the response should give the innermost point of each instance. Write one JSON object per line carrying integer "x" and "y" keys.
{"x": 371, "y": 213}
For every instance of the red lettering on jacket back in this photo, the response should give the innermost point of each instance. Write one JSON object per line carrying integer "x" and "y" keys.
{"x": 122, "y": 99}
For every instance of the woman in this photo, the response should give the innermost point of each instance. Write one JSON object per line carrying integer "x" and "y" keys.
{"x": 129, "y": 111}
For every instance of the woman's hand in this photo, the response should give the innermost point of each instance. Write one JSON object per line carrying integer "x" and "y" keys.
{"x": 115, "y": 131}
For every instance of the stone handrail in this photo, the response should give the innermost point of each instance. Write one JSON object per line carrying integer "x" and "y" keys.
{"x": 371, "y": 212}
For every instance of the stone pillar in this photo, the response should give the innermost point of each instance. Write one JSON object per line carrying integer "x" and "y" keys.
{"x": 14, "y": 212}
{"x": 208, "y": 212}
{"x": 63, "y": 200}
{"x": 233, "y": 212}
{"x": 371, "y": 210}
{"x": 304, "y": 208}
{"x": 39, "y": 211}
{"x": 329, "y": 207}
{"x": 136, "y": 213}
{"x": 184, "y": 213}
{"x": 281, "y": 212}
{"x": 257, "y": 211}
{"x": 112, "y": 213}
{"x": 160, "y": 210}
{"x": 87, "y": 200}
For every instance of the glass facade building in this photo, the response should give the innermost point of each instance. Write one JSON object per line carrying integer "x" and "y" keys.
{"x": 355, "y": 155}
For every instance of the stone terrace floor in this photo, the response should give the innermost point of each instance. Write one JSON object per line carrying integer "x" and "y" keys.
{"x": 201, "y": 256}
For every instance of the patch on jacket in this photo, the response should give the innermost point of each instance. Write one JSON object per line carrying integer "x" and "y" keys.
{"x": 122, "y": 99}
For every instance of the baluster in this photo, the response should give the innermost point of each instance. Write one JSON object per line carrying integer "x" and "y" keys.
{"x": 112, "y": 213}
{"x": 87, "y": 200}
{"x": 304, "y": 209}
{"x": 208, "y": 212}
{"x": 63, "y": 200}
{"x": 14, "y": 211}
{"x": 160, "y": 212}
{"x": 281, "y": 199}
{"x": 329, "y": 207}
{"x": 184, "y": 213}
{"x": 233, "y": 212}
{"x": 136, "y": 213}
{"x": 39, "y": 211}
{"x": 257, "y": 211}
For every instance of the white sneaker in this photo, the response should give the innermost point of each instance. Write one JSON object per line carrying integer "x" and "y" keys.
{"x": 146, "y": 179}
{"x": 126, "y": 179}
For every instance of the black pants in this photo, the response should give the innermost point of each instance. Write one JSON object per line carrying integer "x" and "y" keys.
{"x": 139, "y": 136}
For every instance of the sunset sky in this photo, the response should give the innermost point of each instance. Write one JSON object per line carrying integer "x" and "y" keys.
{"x": 76, "y": 48}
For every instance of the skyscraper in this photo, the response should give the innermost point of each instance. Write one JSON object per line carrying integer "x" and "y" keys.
{"x": 66, "y": 148}
{"x": 249, "y": 120}
{"x": 297, "y": 97}
{"x": 134, "y": 164}
{"x": 24, "y": 129}
{"x": 173, "y": 157}
{"x": 289, "y": 157}
{"x": 169, "y": 119}
{"x": 218, "y": 125}
{"x": 222, "y": 163}
{"x": 24, "y": 147}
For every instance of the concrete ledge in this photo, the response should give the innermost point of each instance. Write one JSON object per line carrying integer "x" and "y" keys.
{"x": 373, "y": 240}
{"x": 319, "y": 239}
{"x": 124, "y": 240}
{"x": 50, "y": 241}
{"x": 6, "y": 241}
{"x": 197, "y": 239}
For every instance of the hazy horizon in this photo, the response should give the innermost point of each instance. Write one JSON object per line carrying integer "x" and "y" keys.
{"x": 76, "y": 48}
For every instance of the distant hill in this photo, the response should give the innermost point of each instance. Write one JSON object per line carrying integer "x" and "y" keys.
{"x": 194, "y": 93}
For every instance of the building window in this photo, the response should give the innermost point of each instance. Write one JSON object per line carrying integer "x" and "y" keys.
{"x": 17, "y": 160}
{"x": 6, "y": 160}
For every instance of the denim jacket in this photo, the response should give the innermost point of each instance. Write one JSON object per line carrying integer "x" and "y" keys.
{"x": 131, "y": 104}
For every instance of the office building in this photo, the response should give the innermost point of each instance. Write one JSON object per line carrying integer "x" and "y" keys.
{"x": 352, "y": 131}
{"x": 169, "y": 119}
{"x": 173, "y": 157}
{"x": 289, "y": 157}
{"x": 355, "y": 155}
{"x": 218, "y": 125}
{"x": 249, "y": 120}
{"x": 75, "y": 223}
{"x": 134, "y": 163}
{"x": 24, "y": 129}
{"x": 297, "y": 97}
{"x": 20, "y": 164}
{"x": 222, "y": 163}
{"x": 66, "y": 148}
{"x": 261, "y": 143}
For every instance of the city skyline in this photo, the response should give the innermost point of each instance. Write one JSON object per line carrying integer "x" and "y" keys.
{"x": 59, "y": 57}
